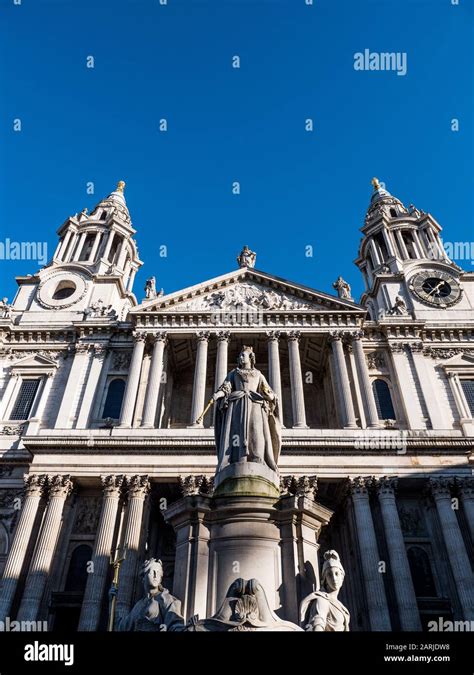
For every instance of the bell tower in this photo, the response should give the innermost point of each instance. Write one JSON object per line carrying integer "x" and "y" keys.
{"x": 93, "y": 267}
{"x": 405, "y": 268}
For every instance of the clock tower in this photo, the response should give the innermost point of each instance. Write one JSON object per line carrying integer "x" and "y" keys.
{"x": 405, "y": 267}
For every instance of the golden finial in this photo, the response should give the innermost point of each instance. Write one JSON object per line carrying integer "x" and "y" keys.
{"x": 120, "y": 186}
{"x": 375, "y": 183}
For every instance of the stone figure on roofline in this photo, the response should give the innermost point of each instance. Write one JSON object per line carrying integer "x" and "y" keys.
{"x": 246, "y": 258}
{"x": 343, "y": 289}
{"x": 321, "y": 611}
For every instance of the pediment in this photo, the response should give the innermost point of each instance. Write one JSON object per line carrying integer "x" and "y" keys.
{"x": 35, "y": 361}
{"x": 247, "y": 290}
{"x": 459, "y": 360}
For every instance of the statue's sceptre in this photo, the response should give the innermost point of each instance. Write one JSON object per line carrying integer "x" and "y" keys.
{"x": 201, "y": 416}
{"x": 115, "y": 560}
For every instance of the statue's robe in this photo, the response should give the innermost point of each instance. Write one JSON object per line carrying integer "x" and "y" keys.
{"x": 247, "y": 424}
{"x": 334, "y": 616}
{"x": 162, "y": 612}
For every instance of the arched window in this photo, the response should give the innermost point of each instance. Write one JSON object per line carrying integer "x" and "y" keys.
{"x": 113, "y": 402}
{"x": 77, "y": 573}
{"x": 383, "y": 400}
{"x": 421, "y": 573}
{"x": 3, "y": 540}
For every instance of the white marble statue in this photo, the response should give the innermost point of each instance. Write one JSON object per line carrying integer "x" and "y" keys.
{"x": 5, "y": 309}
{"x": 158, "y": 610}
{"x": 343, "y": 289}
{"x": 322, "y": 611}
{"x": 246, "y": 258}
{"x": 150, "y": 288}
{"x": 399, "y": 307}
{"x": 247, "y": 425}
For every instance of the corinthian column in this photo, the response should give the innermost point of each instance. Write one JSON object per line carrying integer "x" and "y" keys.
{"x": 154, "y": 380}
{"x": 365, "y": 385}
{"x": 342, "y": 376}
{"x": 130, "y": 397}
{"x": 138, "y": 487}
{"x": 223, "y": 339}
{"x": 274, "y": 373}
{"x": 296, "y": 381}
{"x": 34, "y": 485}
{"x": 370, "y": 559}
{"x": 94, "y": 593}
{"x": 59, "y": 488}
{"x": 98, "y": 357}
{"x": 402, "y": 579}
{"x": 466, "y": 491}
{"x": 460, "y": 565}
{"x": 199, "y": 388}
{"x": 81, "y": 357}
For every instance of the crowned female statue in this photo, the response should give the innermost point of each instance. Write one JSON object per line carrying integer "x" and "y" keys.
{"x": 321, "y": 610}
{"x": 247, "y": 425}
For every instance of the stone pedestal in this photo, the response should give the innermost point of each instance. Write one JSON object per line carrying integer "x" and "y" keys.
{"x": 233, "y": 535}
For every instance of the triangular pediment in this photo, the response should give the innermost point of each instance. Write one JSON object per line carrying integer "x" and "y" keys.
{"x": 247, "y": 289}
{"x": 459, "y": 360}
{"x": 35, "y": 361}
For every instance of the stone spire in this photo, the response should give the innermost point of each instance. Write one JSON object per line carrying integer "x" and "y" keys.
{"x": 114, "y": 204}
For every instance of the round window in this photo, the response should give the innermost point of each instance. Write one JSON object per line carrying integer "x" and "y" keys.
{"x": 64, "y": 290}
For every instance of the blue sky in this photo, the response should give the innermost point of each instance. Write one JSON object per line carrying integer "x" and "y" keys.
{"x": 174, "y": 61}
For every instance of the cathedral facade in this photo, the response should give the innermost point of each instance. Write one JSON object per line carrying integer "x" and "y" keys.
{"x": 102, "y": 430}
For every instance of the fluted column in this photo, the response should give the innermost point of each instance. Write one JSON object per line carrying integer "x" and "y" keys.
{"x": 373, "y": 421}
{"x": 343, "y": 384}
{"x": 96, "y": 581}
{"x": 98, "y": 358}
{"x": 460, "y": 565}
{"x": 130, "y": 397}
{"x": 296, "y": 381}
{"x": 370, "y": 559}
{"x": 466, "y": 492}
{"x": 34, "y": 486}
{"x": 274, "y": 372}
{"x": 59, "y": 488}
{"x": 64, "y": 419}
{"x": 402, "y": 579}
{"x": 199, "y": 387}
{"x": 154, "y": 380}
{"x": 137, "y": 490}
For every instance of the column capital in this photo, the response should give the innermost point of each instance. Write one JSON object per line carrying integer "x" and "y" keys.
{"x": 299, "y": 486}
{"x": 34, "y": 484}
{"x": 359, "y": 486}
{"x": 223, "y": 336}
{"x": 335, "y": 335}
{"x": 465, "y": 487}
{"x": 386, "y": 486}
{"x": 396, "y": 347}
{"x": 293, "y": 335}
{"x": 415, "y": 347}
{"x": 356, "y": 334}
{"x": 440, "y": 488}
{"x": 101, "y": 351}
{"x": 273, "y": 335}
{"x": 137, "y": 486}
{"x": 161, "y": 336}
{"x": 59, "y": 485}
{"x": 83, "y": 347}
{"x": 203, "y": 335}
{"x": 139, "y": 337}
{"x": 111, "y": 485}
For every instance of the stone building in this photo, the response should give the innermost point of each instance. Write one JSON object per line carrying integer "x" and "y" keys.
{"x": 100, "y": 433}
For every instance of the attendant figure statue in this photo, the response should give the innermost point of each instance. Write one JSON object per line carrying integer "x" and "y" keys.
{"x": 343, "y": 288}
{"x": 247, "y": 426}
{"x": 321, "y": 610}
{"x": 150, "y": 288}
{"x": 399, "y": 308}
{"x": 158, "y": 610}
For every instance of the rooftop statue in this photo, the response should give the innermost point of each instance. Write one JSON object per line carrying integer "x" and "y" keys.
{"x": 246, "y": 258}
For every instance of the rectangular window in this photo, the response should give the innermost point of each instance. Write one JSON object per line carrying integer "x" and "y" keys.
{"x": 25, "y": 398}
{"x": 468, "y": 389}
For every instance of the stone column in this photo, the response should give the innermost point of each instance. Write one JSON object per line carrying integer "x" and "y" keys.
{"x": 466, "y": 492}
{"x": 130, "y": 397}
{"x": 418, "y": 244}
{"x": 62, "y": 246}
{"x": 95, "y": 246}
{"x": 199, "y": 388}
{"x": 373, "y": 579}
{"x": 343, "y": 384}
{"x": 370, "y": 408}
{"x": 98, "y": 358}
{"x": 64, "y": 419}
{"x": 108, "y": 245}
{"x": 428, "y": 386}
{"x": 154, "y": 380}
{"x": 77, "y": 253}
{"x": 137, "y": 490}
{"x": 401, "y": 244}
{"x": 402, "y": 579}
{"x": 296, "y": 381}
{"x": 274, "y": 372}
{"x": 34, "y": 485}
{"x": 223, "y": 339}
{"x": 402, "y": 372}
{"x": 59, "y": 487}
{"x": 460, "y": 565}
{"x": 96, "y": 581}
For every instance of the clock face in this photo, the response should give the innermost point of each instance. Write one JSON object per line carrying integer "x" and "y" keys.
{"x": 436, "y": 288}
